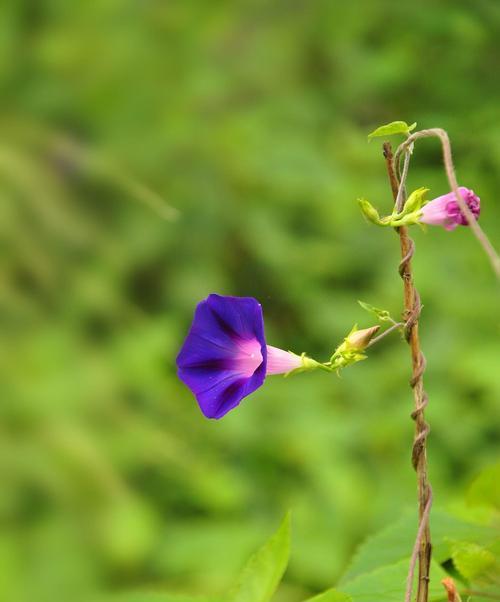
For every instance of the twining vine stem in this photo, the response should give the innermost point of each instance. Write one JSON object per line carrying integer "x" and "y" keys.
{"x": 412, "y": 309}
{"x": 407, "y": 146}
{"x": 424, "y": 522}
{"x": 401, "y": 194}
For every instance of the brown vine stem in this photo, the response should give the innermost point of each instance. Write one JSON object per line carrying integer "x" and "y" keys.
{"x": 452, "y": 180}
{"x": 424, "y": 521}
{"x": 412, "y": 311}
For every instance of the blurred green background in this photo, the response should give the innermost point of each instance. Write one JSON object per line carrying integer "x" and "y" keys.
{"x": 154, "y": 152}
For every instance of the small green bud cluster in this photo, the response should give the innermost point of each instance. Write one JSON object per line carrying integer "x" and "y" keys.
{"x": 409, "y": 215}
{"x": 351, "y": 349}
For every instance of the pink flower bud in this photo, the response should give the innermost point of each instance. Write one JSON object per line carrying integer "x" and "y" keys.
{"x": 359, "y": 339}
{"x": 444, "y": 210}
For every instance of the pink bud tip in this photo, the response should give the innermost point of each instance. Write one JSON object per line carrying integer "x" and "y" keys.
{"x": 444, "y": 210}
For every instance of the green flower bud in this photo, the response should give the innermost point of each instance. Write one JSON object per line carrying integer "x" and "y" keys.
{"x": 351, "y": 350}
{"x": 370, "y": 212}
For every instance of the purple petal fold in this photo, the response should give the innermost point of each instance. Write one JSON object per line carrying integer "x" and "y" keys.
{"x": 444, "y": 210}
{"x": 224, "y": 356}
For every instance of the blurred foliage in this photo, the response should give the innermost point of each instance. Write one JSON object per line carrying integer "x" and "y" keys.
{"x": 379, "y": 569}
{"x": 153, "y": 152}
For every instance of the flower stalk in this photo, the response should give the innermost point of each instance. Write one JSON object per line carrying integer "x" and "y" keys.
{"x": 412, "y": 309}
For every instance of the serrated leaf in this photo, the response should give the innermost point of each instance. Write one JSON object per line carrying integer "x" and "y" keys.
{"x": 261, "y": 576}
{"x": 478, "y": 565}
{"x": 485, "y": 489}
{"x": 388, "y": 583}
{"x": 472, "y": 561}
{"x": 389, "y": 129}
{"x": 396, "y": 541}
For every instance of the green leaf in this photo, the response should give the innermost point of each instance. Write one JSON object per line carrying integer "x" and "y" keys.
{"x": 472, "y": 561}
{"x": 395, "y": 127}
{"x": 382, "y": 314}
{"x": 389, "y": 584}
{"x": 393, "y": 543}
{"x": 154, "y": 596}
{"x": 331, "y": 595}
{"x": 485, "y": 489}
{"x": 262, "y": 574}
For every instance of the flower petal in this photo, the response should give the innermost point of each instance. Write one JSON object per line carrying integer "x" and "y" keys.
{"x": 445, "y": 211}
{"x": 280, "y": 361}
{"x": 224, "y": 356}
{"x": 225, "y": 391}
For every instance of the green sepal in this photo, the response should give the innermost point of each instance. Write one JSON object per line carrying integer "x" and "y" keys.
{"x": 411, "y": 212}
{"x": 415, "y": 201}
{"x": 308, "y": 365}
{"x": 409, "y": 215}
{"x": 408, "y": 219}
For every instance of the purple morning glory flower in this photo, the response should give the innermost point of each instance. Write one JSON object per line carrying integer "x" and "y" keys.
{"x": 225, "y": 356}
{"x": 444, "y": 210}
